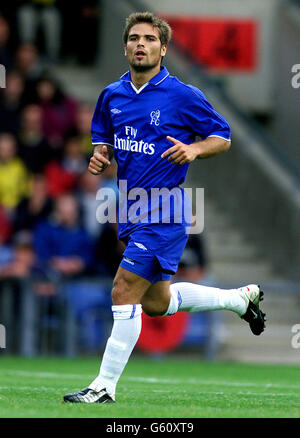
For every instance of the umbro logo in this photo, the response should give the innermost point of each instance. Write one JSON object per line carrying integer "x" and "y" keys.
{"x": 126, "y": 259}
{"x": 115, "y": 111}
{"x": 140, "y": 245}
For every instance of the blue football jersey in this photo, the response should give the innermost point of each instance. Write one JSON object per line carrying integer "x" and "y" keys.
{"x": 136, "y": 123}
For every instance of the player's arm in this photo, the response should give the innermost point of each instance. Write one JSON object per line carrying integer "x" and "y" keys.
{"x": 199, "y": 116}
{"x": 210, "y": 146}
{"x": 181, "y": 153}
{"x": 103, "y": 153}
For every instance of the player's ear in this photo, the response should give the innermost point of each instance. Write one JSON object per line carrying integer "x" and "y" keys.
{"x": 163, "y": 50}
{"x": 125, "y": 50}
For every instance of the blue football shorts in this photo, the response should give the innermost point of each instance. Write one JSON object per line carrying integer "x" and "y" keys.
{"x": 154, "y": 251}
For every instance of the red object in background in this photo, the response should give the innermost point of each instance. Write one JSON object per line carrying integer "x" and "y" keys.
{"x": 59, "y": 180}
{"x": 220, "y": 44}
{"x": 162, "y": 333}
{"x": 5, "y": 226}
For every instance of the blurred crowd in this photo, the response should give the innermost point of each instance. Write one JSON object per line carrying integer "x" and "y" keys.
{"x": 54, "y": 27}
{"x": 48, "y": 224}
{"x": 49, "y": 230}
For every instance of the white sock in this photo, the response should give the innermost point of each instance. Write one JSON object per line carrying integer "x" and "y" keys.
{"x": 190, "y": 297}
{"x": 125, "y": 333}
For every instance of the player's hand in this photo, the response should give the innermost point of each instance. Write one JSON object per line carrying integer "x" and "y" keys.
{"x": 99, "y": 161}
{"x": 180, "y": 153}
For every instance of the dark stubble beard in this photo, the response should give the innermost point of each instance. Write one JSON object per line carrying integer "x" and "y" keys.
{"x": 139, "y": 68}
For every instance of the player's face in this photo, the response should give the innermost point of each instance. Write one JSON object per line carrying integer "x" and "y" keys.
{"x": 144, "y": 49}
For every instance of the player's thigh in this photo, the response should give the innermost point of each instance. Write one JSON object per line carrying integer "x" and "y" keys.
{"x": 128, "y": 287}
{"x": 156, "y": 300}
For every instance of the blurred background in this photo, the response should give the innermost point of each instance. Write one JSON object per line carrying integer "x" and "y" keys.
{"x": 57, "y": 262}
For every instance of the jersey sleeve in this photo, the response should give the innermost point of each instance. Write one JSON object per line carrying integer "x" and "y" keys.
{"x": 200, "y": 116}
{"x": 101, "y": 129}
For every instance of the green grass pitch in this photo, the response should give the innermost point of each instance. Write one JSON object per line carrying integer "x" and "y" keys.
{"x": 169, "y": 388}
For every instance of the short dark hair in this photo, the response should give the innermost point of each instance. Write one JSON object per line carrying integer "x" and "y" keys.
{"x": 165, "y": 31}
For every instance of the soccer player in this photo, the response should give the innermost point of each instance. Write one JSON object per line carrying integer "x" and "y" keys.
{"x": 149, "y": 120}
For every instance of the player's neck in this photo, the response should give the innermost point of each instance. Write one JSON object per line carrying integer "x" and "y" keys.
{"x": 141, "y": 78}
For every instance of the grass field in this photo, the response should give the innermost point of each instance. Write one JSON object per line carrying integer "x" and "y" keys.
{"x": 33, "y": 388}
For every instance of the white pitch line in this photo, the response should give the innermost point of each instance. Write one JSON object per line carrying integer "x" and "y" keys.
{"x": 210, "y": 382}
{"x": 153, "y": 380}
{"x": 32, "y": 388}
{"x": 268, "y": 394}
{"x": 45, "y": 374}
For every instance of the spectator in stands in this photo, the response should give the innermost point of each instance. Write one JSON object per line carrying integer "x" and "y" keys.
{"x": 85, "y": 16}
{"x": 28, "y": 63}
{"x": 34, "y": 148}
{"x": 11, "y": 103}
{"x": 59, "y": 110}
{"x": 14, "y": 178}
{"x": 109, "y": 250}
{"x": 34, "y": 208}
{"x": 5, "y": 53}
{"x": 5, "y": 226}
{"x": 61, "y": 242}
{"x": 23, "y": 258}
{"x": 83, "y": 128}
{"x": 41, "y": 14}
{"x": 63, "y": 175}
{"x": 110, "y": 178}
{"x": 88, "y": 23}
{"x": 8, "y": 11}
{"x": 5, "y": 235}
{"x": 193, "y": 263}
{"x": 88, "y": 188}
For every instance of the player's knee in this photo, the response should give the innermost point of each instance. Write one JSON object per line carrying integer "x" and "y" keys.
{"x": 122, "y": 291}
{"x": 118, "y": 291}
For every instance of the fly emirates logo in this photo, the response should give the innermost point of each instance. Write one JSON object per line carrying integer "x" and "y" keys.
{"x": 129, "y": 143}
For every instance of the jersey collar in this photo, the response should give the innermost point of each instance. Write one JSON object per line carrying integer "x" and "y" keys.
{"x": 156, "y": 80}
